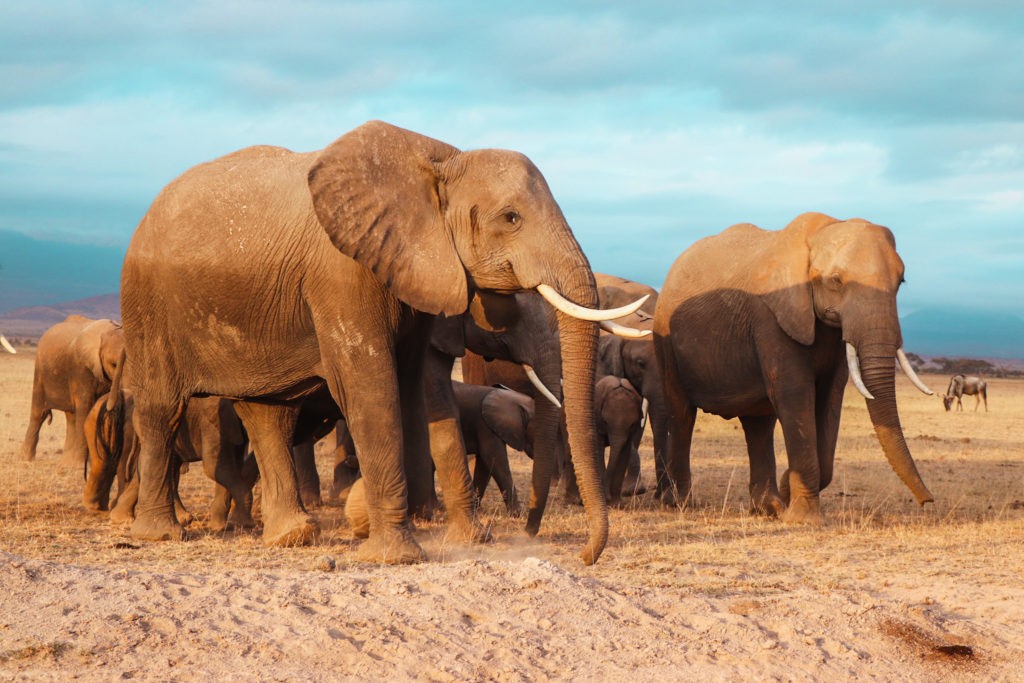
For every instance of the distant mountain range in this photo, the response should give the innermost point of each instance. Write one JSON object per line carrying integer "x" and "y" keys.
{"x": 31, "y": 321}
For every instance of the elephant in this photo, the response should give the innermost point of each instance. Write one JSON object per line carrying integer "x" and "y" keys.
{"x": 618, "y": 406}
{"x": 960, "y": 385}
{"x": 6, "y": 344}
{"x": 75, "y": 362}
{"x": 211, "y": 432}
{"x": 269, "y": 274}
{"x": 767, "y": 326}
{"x": 490, "y": 418}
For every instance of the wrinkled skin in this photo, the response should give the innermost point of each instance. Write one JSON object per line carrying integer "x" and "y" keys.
{"x": 271, "y": 273}
{"x": 617, "y": 405}
{"x": 211, "y": 433}
{"x": 491, "y": 418}
{"x": 76, "y": 360}
{"x": 753, "y": 324}
{"x": 635, "y": 360}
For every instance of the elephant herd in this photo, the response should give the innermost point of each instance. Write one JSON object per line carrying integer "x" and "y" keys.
{"x": 269, "y": 297}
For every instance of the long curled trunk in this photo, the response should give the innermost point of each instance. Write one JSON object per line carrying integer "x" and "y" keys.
{"x": 878, "y": 368}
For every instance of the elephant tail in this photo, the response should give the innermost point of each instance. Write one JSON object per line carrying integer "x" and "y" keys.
{"x": 48, "y": 416}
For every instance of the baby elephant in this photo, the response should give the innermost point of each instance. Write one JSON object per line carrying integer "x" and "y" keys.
{"x": 211, "y": 432}
{"x": 490, "y": 418}
{"x": 619, "y": 412}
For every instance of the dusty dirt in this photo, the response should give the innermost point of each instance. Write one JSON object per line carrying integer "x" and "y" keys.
{"x": 885, "y": 590}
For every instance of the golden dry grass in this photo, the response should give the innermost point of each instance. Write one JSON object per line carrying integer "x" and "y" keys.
{"x": 875, "y": 537}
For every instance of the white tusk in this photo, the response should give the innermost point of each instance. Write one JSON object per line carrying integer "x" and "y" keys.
{"x": 6, "y": 344}
{"x": 535, "y": 381}
{"x": 854, "y": 363}
{"x": 584, "y": 313}
{"x": 908, "y": 370}
{"x": 624, "y": 331}
{"x": 644, "y": 405}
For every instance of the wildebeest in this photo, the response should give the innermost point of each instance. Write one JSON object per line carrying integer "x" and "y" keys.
{"x": 960, "y": 385}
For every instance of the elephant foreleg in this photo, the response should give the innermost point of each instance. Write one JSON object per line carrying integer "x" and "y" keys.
{"x": 492, "y": 462}
{"x": 270, "y": 428}
{"x": 802, "y": 480}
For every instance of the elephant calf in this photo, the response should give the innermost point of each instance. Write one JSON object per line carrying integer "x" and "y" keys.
{"x": 490, "y": 418}
{"x": 211, "y": 432}
{"x": 619, "y": 411}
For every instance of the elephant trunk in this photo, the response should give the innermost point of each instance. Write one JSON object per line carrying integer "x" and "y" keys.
{"x": 579, "y": 351}
{"x": 878, "y": 369}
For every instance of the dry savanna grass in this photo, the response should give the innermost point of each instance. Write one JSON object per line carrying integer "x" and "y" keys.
{"x": 948, "y": 571}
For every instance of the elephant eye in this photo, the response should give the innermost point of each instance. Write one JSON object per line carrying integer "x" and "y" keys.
{"x": 512, "y": 217}
{"x": 837, "y": 280}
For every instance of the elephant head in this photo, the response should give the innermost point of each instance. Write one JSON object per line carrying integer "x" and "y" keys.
{"x": 111, "y": 352}
{"x": 436, "y": 224}
{"x": 509, "y": 415}
{"x": 846, "y": 274}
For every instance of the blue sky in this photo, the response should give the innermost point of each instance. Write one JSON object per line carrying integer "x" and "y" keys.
{"x": 655, "y": 123}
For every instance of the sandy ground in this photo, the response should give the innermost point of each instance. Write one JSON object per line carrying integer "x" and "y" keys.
{"x": 884, "y": 591}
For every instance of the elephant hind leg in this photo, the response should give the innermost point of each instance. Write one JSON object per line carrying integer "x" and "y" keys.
{"x": 157, "y": 423}
{"x": 681, "y": 419}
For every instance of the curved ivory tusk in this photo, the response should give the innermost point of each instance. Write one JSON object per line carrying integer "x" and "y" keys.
{"x": 535, "y": 381}
{"x": 6, "y": 344}
{"x": 644, "y": 405}
{"x": 584, "y": 313}
{"x": 854, "y": 363}
{"x": 624, "y": 331}
{"x": 908, "y": 370}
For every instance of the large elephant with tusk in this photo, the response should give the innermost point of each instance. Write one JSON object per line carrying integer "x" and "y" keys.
{"x": 266, "y": 274}
{"x": 768, "y": 326}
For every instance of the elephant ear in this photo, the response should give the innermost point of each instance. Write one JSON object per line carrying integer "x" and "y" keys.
{"x": 507, "y": 416}
{"x": 609, "y": 355}
{"x": 377, "y": 192}
{"x": 448, "y": 335}
{"x": 785, "y": 278}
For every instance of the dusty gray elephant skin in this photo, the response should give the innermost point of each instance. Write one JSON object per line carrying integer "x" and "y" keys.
{"x": 617, "y": 405}
{"x": 270, "y": 273}
{"x": 767, "y": 326}
{"x": 75, "y": 362}
{"x": 491, "y": 418}
{"x": 971, "y": 386}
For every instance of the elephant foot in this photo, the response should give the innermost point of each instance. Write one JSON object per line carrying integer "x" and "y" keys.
{"x": 311, "y": 498}
{"x": 669, "y": 500}
{"x": 157, "y": 527}
{"x": 93, "y": 504}
{"x": 296, "y": 529}
{"x": 393, "y": 546}
{"x": 122, "y": 514}
{"x": 185, "y": 518}
{"x": 804, "y": 510}
{"x": 240, "y": 518}
{"x": 468, "y": 531}
{"x": 71, "y": 460}
{"x": 765, "y": 501}
{"x": 633, "y": 486}
{"x": 27, "y": 454}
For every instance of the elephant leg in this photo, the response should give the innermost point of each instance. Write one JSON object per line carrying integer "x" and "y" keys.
{"x": 618, "y": 461}
{"x": 102, "y": 437}
{"x": 156, "y": 423}
{"x": 633, "y": 484}
{"x": 123, "y": 511}
{"x": 346, "y": 465}
{"x": 184, "y": 517}
{"x": 570, "y": 485}
{"x": 795, "y": 406}
{"x": 492, "y": 462}
{"x": 221, "y": 463}
{"x": 305, "y": 469}
{"x": 659, "y": 431}
{"x": 37, "y": 413}
{"x": 680, "y": 439}
{"x": 375, "y": 421}
{"x": 759, "y": 432}
{"x": 270, "y": 428}
{"x": 75, "y": 451}
{"x": 434, "y": 399}
{"x": 829, "y": 408}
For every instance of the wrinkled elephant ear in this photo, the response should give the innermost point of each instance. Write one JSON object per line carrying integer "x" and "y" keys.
{"x": 507, "y": 416}
{"x": 785, "y": 282}
{"x": 377, "y": 192}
